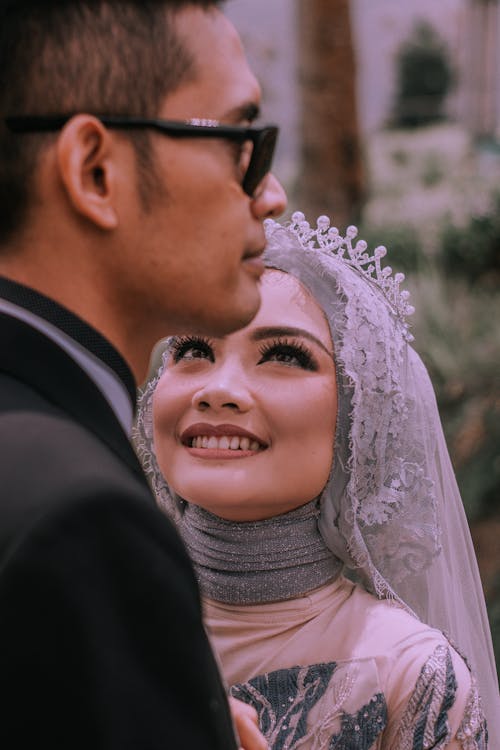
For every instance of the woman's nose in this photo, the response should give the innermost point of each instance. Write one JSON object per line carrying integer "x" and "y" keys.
{"x": 223, "y": 393}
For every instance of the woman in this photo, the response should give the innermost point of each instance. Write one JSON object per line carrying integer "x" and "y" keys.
{"x": 306, "y": 447}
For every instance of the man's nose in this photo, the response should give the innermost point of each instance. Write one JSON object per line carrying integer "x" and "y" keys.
{"x": 270, "y": 198}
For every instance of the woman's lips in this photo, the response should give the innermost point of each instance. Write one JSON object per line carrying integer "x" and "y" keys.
{"x": 216, "y": 454}
{"x": 221, "y": 441}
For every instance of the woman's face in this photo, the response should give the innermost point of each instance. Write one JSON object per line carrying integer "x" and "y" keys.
{"x": 244, "y": 425}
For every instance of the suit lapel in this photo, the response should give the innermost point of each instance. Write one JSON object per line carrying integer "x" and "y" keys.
{"x": 31, "y": 357}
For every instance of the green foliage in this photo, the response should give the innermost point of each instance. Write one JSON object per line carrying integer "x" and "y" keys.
{"x": 473, "y": 252}
{"x": 494, "y": 617}
{"x": 425, "y": 77}
{"x": 456, "y": 332}
{"x": 402, "y": 241}
{"x": 478, "y": 470}
{"x": 400, "y": 156}
{"x": 432, "y": 171}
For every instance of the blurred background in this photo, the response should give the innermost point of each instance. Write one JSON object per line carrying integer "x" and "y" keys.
{"x": 390, "y": 117}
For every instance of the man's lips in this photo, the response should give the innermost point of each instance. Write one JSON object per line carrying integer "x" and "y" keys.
{"x": 256, "y": 246}
{"x": 252, "y": 254}
{"x": 254, "y": 263}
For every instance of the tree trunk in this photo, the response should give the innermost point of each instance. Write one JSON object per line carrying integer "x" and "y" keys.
{"x": 331, "y": 179}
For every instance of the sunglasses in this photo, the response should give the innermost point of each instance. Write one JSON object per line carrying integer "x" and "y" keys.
{"x": 263, "y": 139}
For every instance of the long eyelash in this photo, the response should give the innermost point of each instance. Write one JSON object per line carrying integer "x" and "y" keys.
{"x": 287, "y": 346}
{"x": 180, "y": 345}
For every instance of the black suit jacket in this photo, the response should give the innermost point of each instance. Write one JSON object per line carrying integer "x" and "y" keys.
{"x": 101, "y": 638}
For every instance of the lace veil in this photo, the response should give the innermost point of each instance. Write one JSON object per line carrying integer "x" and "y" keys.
{"x": 391, "y": 510}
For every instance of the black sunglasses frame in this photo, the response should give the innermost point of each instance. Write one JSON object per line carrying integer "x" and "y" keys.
{"x": 263, "y": 139}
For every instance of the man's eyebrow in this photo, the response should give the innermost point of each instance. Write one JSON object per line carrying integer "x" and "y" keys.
{"x": 269, "y": 332}
{"x": 247, "y": 112}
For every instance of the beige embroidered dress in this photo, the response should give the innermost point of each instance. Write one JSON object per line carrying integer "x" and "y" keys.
{"x": 337, "y": 669}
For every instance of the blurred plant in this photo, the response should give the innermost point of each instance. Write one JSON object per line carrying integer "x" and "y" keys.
{"x": 402, "y": 241}
{"x": 473, "y": 251}
{"x": 433, "y": 171}
{"x": 494, "y": 616}
{"x": 458, "y": 336}
{"x": 400, "y": 157}
{"x": 424, "y": 78}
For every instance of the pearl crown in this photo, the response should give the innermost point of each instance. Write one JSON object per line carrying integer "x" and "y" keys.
{"x": 328, "y": 239}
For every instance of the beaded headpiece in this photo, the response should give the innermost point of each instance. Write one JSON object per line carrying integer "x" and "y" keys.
{"x": 327, "y": 239}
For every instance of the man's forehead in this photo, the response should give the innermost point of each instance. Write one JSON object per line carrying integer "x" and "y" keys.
{"x": 221, "y": 70}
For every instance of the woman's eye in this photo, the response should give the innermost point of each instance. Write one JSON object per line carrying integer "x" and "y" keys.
{"x": 293, "y": 355}
{"x": 191, "y": 347}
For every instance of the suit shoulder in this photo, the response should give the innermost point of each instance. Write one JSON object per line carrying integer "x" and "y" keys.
{"x": 52, "y": 441}
{"x": 49, "y": 461}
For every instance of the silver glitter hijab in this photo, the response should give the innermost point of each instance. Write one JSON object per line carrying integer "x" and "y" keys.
{"x": 391, "y": 511}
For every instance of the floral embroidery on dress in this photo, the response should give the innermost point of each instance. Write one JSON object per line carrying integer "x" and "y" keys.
{"x": 359, "y": 732}
{"x": 284, "y": 699}
{"x": 473, "y": 731}
{"x": 425, "y": 722}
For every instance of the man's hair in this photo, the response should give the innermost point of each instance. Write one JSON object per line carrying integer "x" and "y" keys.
{"x": 118, "y": 57}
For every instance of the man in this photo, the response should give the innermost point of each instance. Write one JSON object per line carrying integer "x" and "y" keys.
{"x": 114, "y": 232}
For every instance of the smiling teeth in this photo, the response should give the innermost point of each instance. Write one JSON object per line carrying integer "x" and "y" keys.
{"x": 225, "y": 442}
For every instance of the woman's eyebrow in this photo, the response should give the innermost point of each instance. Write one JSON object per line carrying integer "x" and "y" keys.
{"x": 269, "y": 332}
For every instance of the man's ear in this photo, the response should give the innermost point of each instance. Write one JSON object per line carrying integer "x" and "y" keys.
{"x": 85, "y": 157}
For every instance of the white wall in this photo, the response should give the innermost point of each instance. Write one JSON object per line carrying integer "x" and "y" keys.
{"x": 267, "y": 28}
